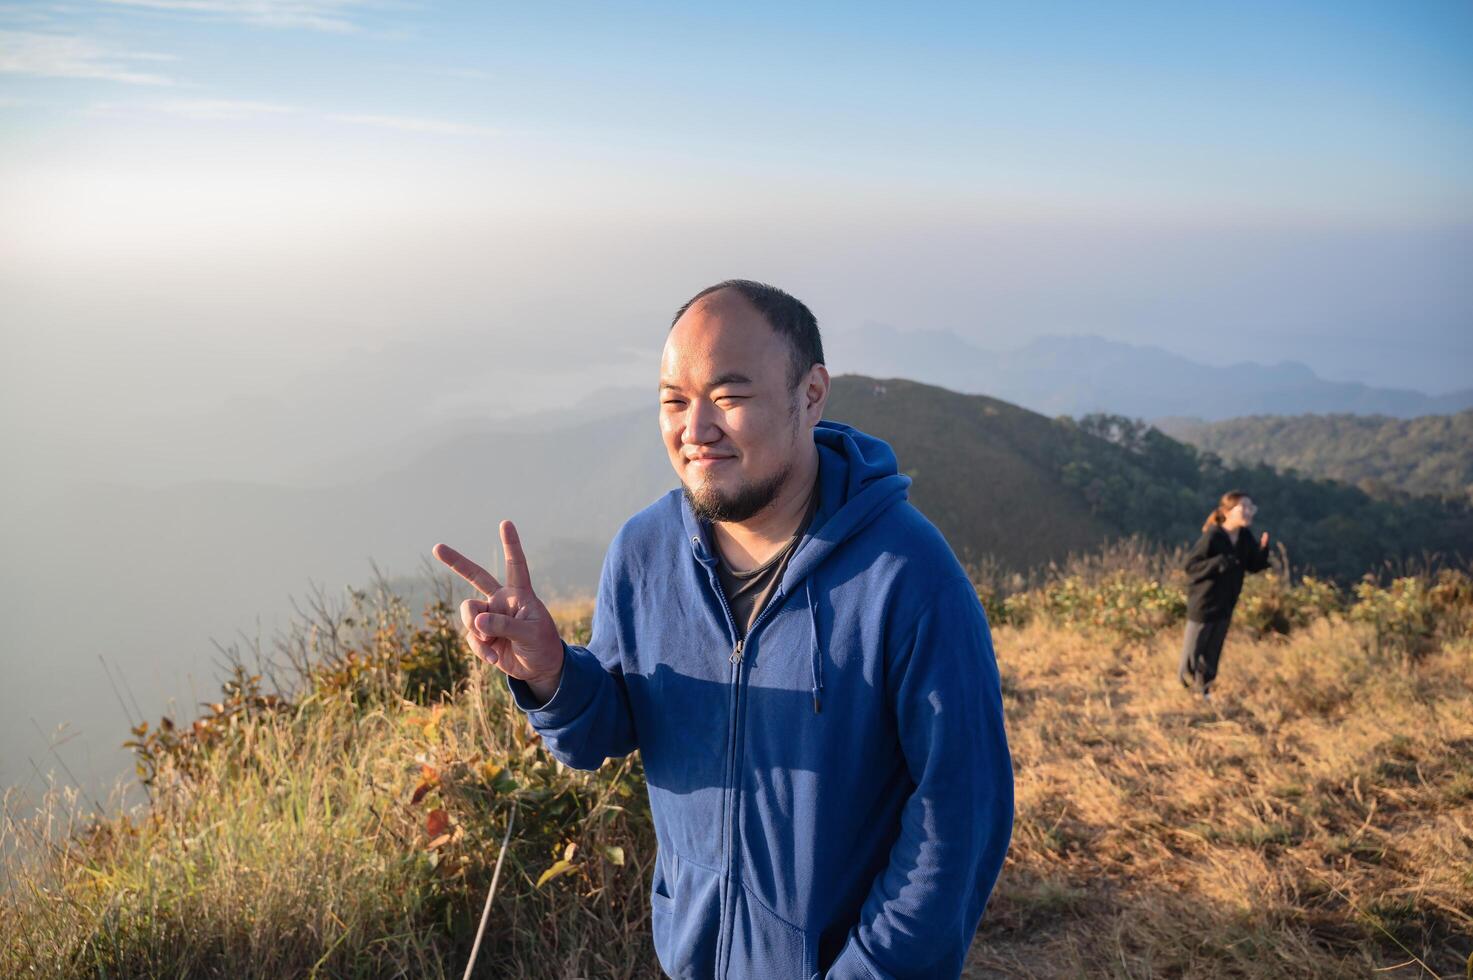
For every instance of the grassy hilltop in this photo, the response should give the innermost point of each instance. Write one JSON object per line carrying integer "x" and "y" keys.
{"x": 341, "y": 816}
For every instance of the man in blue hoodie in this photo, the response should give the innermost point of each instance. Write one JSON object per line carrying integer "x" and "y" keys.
{"x": 802, "y": 663}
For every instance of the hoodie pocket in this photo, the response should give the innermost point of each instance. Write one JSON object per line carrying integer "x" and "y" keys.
{"x": 662, "y": 911}
{"x": 763, "y": 944}
{"x": 685, "y": 912}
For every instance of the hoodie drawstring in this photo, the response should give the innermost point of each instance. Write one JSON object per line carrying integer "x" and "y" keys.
{"x": 817, "y": 652}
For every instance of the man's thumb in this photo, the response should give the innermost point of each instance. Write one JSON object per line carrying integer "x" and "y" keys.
{"x": 498, "y": 624}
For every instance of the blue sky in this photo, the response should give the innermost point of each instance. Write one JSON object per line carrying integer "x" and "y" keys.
{"x": 203, "y": 197}
{"x": 1337, "y": 109}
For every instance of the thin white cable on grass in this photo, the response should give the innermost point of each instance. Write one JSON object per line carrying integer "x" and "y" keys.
{"x": 495, "y": 876}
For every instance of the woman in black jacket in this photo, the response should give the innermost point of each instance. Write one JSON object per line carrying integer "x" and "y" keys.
{"x": 1215, "y": 570}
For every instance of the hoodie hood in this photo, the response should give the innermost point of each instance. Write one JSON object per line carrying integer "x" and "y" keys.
{"x": 858, "y": 479}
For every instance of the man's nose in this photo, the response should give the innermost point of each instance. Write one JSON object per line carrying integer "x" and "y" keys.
{"x": 700, "y": 423}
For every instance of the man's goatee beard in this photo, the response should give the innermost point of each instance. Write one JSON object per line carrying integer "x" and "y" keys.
{"x": 743, "y": 505}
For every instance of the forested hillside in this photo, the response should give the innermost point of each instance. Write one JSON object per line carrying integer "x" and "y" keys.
{"x": 1431, "y": 454}
{"x": 1004, "y": 482}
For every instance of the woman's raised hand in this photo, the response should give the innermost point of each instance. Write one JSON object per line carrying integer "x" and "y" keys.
{"x": 510, "y": 628}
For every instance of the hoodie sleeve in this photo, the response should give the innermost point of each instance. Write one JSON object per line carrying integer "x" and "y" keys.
{"x": 1201, "y": 564}
{"x": 923, "y": 908}
{"x": 588, "y": 718}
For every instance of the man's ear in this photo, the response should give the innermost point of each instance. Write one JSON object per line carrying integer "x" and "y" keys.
{"x": 815, "y": 393}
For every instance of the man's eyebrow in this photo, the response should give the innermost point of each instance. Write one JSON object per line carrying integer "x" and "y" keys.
{"x": 729, "y": 378}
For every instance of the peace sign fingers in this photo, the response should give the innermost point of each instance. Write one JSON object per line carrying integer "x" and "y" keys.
{"x": 517, "y": 575}
{"x": 511, "y": 628}
{"x": 477, "y": 576}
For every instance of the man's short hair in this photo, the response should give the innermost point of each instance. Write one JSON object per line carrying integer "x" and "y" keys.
{"x": 784, "y": 313}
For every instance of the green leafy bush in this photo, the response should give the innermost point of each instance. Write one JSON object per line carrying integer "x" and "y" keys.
{"x": 1128, "y": 608}
{"x": 1414, "y": 614}
{"x": 1269, "y": 607}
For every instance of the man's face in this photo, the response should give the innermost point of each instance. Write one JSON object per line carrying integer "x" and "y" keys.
{"x": 732, "y": 425}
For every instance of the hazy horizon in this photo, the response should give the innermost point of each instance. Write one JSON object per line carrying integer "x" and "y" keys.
{"x": 214, "y": 209}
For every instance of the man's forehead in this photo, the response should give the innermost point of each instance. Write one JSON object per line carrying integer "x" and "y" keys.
{"x": 713, "y": 347}
{"x": 709, "y": 365}
{"x": 722, "y": 319}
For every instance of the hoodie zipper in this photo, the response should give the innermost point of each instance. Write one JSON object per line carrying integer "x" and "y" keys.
{"x": 727, "y": 824}
{"x": 731, "y": 873}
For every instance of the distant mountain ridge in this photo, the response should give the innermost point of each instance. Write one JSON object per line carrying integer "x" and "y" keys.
{"x": 1078, "y": 375}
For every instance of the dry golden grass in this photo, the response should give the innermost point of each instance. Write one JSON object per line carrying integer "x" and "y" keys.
{"x": 1316, "y": 820}
{"x": 349, "y": 832}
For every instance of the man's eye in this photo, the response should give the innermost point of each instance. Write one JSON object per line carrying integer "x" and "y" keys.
{"x": 732, "y": 398}
{"x": 673, "y": 401}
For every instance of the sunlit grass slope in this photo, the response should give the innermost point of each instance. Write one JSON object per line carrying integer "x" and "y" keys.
{"x": 1317, "y": 820}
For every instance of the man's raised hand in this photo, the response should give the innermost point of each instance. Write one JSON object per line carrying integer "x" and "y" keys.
{"x": 510, "y": 627}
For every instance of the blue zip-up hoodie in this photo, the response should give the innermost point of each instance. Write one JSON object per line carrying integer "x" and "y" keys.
{"x": 832, "y": 795}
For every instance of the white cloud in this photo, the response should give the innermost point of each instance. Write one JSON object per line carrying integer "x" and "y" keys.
{"x": 220, "y": 108}
{"x": 235, "y": 110}
{"x": 35, "y": 14}
{"x": 414, "y": 124}
{"x": 317, "y": 15}
{"x": 73, "y": 56}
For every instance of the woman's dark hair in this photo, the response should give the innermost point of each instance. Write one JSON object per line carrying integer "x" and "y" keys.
{"x": 785, "y": 314}
{"x": 1228, "y": 502}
